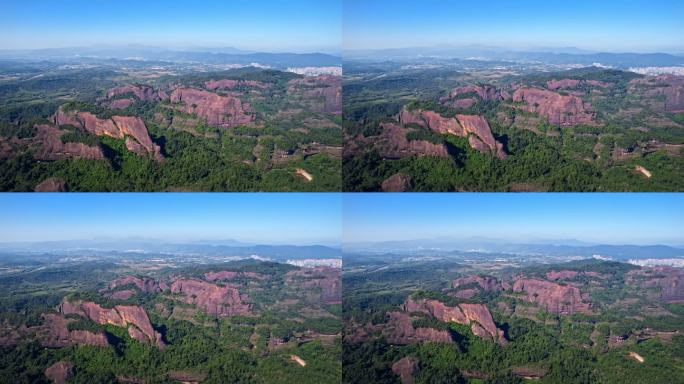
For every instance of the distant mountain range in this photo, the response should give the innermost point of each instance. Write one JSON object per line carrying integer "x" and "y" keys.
{"x": 215, "y": 248}
{"x": 202, "y": 55}
{"x": 547, "y": 55}
{"x": 541, "y": 248}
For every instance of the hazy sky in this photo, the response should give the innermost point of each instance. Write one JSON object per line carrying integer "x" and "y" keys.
{"x": 284, "y": 218}
{"x": 626, "y": 218}
{"x": 274, "y": 25}
{"x": 608, "y": 25}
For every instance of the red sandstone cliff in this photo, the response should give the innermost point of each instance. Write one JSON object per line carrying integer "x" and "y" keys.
{"x": 559, "y": 109}
{"x": 553, "y": 297}
{"x": 213, "y": 299}
{"x": 223, "y": 111}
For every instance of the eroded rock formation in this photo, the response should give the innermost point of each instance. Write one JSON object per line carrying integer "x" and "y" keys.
{"x": 223, "y": 111}
{"x": 59, "y": 372}
{"x": 231, "y": 275}
{"x": 211, "y": 298}
{"x": 144, "y": 284}
{"x": 323, "y": 93}
{"x": 119, "y": 127}
{"x": 559, "y": 109}
{"x": 324, "y": 278}
{"x": 668, "y": 280}
{"x": 476, "y": 315}
{"x": 400, "y": 330}
{"x": 476, "y": 128}
{"x": 133, "y": 317}
{"x": 561, "y": 275}
{"x": 393, "y": 144}
{"x": 231, "y": 84}
{"x": 55, "y": 334}
{"x": 553, "y": 297}
{"x": 405, "y": 368}
{"x": 50, "y": 146}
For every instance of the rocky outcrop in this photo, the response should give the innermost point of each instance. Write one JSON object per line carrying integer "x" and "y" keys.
{"x": 398, "y": 182}
{"x": 669, "y": 281}
{"x": 118, "y": 127}
{"x": 212, "y": 299}
{"x": 405, "y": 368}
{"x": 55, "y": 334}
{"x": 144, "y": 284}
{"x": 323, "y": 93}
{"x": 476, "y": 128}
{"x": 140, "y": 91}
{"x": 669, "y": 87}
{"x": 232, "y": 275}
{"x": 222, "y": 111}
{"x": 476, "y": 315}
{"x": 231, "y": 84}
{"x": 559, "y": 109}
{"x": 486, "y": 283}
{"x": 133, "y": 317}
{"x": 564, "y": 83}
{"x": 393, "y": 144}
{"x": 60, "y": 372}
{"x": 49, "y": 146}
{"x": 324, "y": 279}
{"x": 553, "y": 297}
{"x": 399, "y": 330}
{"x": 561, "y": 275}
{"x": 485, "y": 92}
{"x": 51, "y": 184}
{"x": 574, "y": 83}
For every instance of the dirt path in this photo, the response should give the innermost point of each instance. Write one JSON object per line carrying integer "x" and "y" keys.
{"x": 636, "y": 357}
{"x": 298, "y": 360}
{"x": 644, "y": 171}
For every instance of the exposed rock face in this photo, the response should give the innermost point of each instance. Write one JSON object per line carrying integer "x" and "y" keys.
{"x": 118, "y": 127}
{"x": 323, "y": 92}
{"x": 487, "y": 283}
{"x": 59, "y": 372}
{"x": 231, "y": 275}
{"x": 669, "y": 280}
{"x": 485, "y": 92}
{"x": 324, "y": 278}
{"x": 121, "y": 315}
{"x": 399, "y": 330}
{"x": 142, "y": 92}
{"x": 120, "y": 103}
{"x": 405, "y": 368}
{"x": 561, "y": 275}
{"x": 213, "y": 299}
{"x": 55, "y": 334}
{"x": 573, "y": 83}
{"x": 559, "y": 109}
{"x": 398, "y": 182}
{"x": 476, "y": 315}
{"x": 223, "y": 111}
{"x": 230, "y": 84}
{"x": 50, "y": 146}
{"x": 51, "y": 184}
{"x": 565, "y": 83}
{"x": 555, "y": 298}
{"x": 669, "y": 86}
{"x": 393, "y": 144}
{"x": 144, "y": 284}
{"x": 474, "y": 127}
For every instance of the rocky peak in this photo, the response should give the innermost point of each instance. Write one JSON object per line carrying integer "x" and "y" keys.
{"x": 213, "y": 299}
{"x": 476, "y": 315}
{"x": 475, "y": 127}
{"x": 560, "y": 109}
{"x": 121, "y": 315}
{"x": 223, "y": 111}
{"x": 553, "y": 297}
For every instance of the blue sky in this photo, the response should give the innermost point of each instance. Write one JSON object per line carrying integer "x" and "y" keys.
{"x": 273, "y": 25}
{"x": 608, "y": 25}
{"x": 611, "y": 218}
{"x": 283, "y": 218}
